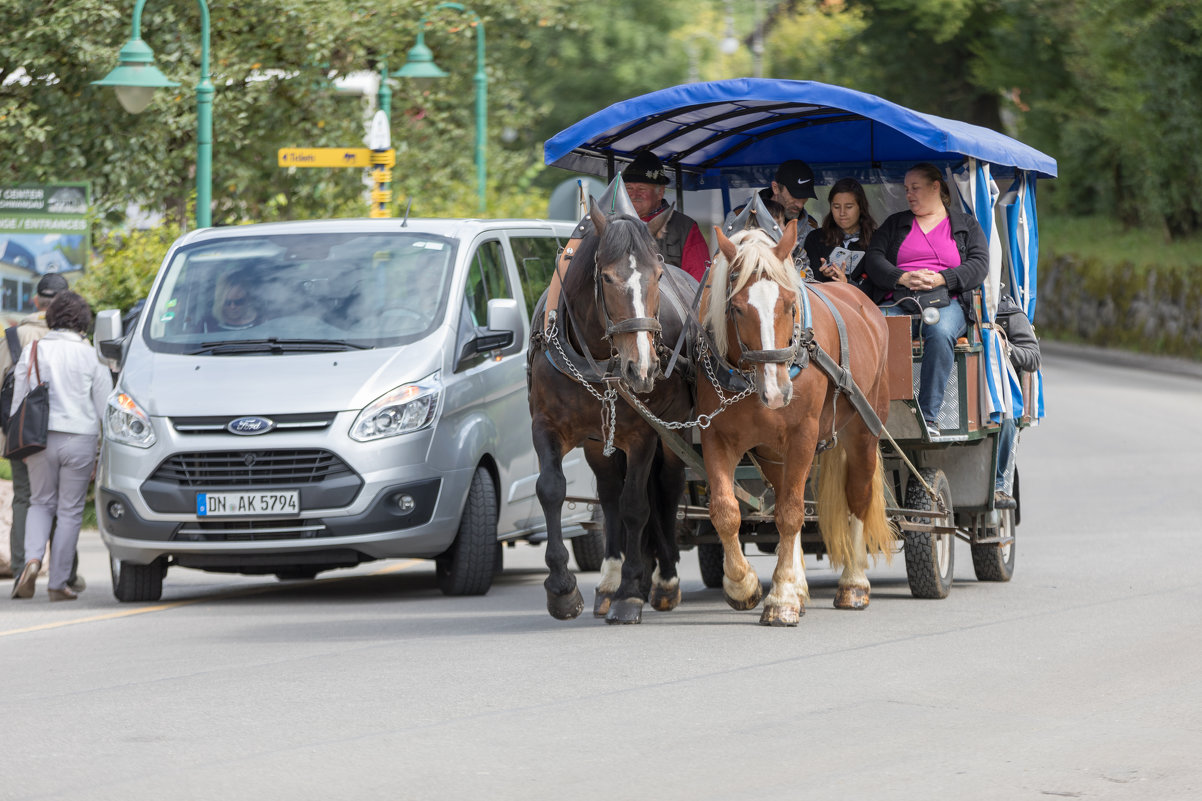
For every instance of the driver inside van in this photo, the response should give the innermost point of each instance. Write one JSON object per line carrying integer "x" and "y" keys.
{"x": 235, "y": 305}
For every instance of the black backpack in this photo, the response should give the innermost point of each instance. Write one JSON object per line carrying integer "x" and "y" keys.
{"x": 10, "y": 379}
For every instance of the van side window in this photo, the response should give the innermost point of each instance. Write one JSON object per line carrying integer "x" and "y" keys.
{"x": 536, "y": 263}
{"x": 486, "y": 279}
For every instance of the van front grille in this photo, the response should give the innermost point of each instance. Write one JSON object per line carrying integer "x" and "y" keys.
{"x": 250, "y": 530}
{"x": 251, "y": 468}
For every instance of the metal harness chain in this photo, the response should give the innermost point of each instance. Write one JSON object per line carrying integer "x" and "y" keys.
{"x": 609, "y": 399}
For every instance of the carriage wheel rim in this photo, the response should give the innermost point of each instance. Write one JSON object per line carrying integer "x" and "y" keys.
{"x": 943, "y": 556}
{"x": 1006, "y": 529}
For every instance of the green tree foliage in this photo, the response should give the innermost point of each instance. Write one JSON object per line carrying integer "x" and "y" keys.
{"x": 125, "y": 267}
{"x": 273, "y": 63}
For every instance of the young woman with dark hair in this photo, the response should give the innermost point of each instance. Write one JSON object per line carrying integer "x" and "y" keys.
{"x": 848, "y": 225}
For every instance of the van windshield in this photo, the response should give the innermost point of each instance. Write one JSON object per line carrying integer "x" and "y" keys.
{"x": 301, "y": 293}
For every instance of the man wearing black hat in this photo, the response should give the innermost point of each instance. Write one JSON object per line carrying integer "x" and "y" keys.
{"x": 32, "y": 328}
{"x": 791, "y": 187}
{"x": 680, "y": 242}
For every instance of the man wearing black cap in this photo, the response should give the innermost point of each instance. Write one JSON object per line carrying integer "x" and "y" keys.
{"x": 30, "y": 329}
{"x": 680, "y": 242}
{"x": 791, "y": 187}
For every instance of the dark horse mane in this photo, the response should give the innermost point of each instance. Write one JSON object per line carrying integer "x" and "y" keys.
{"x": 626, "y": 234}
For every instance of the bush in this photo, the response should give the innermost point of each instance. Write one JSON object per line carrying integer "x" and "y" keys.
{"x": 125, "y": 268}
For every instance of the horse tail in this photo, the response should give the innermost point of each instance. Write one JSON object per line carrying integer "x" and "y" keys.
{"x": 880, "y": 535}
{"x": 834, "y": 513}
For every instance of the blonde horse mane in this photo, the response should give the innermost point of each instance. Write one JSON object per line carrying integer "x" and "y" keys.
{"x": 754, "y": 260}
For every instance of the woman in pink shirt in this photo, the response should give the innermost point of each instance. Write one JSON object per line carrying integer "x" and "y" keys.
{"x": 927, "y": 247}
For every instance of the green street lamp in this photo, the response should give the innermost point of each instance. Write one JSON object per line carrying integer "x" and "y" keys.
{"x": 136, "y": 77}
{"x": 420, "y": 64}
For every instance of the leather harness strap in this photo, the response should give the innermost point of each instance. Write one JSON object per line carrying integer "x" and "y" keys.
{"x": 841, "y": 373}
{"x": 551, "y": 310}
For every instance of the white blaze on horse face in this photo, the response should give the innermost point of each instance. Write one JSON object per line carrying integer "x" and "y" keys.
{"x": 762, "y": 296}
{"x": 635, "y": 285}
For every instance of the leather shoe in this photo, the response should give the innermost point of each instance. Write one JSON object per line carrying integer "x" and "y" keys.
{"x": 78, "y": 585}
{"x": 1003, "y": 501}
{"x": 29, "y": 578}
{"x": 64, "y": 594}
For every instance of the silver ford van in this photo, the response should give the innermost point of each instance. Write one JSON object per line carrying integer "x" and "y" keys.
{"x": 297, "y": 397}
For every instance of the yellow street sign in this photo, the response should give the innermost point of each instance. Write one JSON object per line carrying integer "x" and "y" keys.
{"x": 324, "y": 157}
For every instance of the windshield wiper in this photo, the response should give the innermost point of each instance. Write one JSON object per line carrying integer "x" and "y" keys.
{"x": 276, "y": 345}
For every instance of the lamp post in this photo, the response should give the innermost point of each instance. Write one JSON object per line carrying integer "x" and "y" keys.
{"x": 136, "y": 77}
{"x": 420, "y": 64}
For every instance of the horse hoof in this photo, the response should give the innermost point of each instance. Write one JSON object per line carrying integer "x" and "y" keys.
{"x": 781, "y": 615}
{"x": 851, "y": 598}
{"x": 749, "y": 588}
{"x": 665, "y": 598}
{"x": 628, "y": 610}
{"x": 565, "y": 607}
{"x": 601, "y": 602}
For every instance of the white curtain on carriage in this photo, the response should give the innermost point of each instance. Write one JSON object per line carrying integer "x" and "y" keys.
{"x": 1022, "y": 240}
{"x": 978, "y": 197}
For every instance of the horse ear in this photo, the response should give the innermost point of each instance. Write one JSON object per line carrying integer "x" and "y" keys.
{"x": 659, "y": 222}
{"x": 727, "y": 247}
{"x": 787, "y": 242}
{"x": 597, "y": 216}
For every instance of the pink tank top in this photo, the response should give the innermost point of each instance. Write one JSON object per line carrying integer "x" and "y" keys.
{"x": 931, "y": 251}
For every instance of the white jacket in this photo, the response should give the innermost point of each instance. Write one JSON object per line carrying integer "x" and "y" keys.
{"x": 79, "y": 383}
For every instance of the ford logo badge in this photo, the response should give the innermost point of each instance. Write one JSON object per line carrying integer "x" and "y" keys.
{"x": 250, "y": 426}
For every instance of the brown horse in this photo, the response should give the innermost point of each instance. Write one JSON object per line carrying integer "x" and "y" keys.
{"x": 754, "y": 314}
{"x": 614, "y": 320}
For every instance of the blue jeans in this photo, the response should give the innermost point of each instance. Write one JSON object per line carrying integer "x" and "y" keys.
{"x": 938, "y": 354}
{"x": 1006, "y": 439}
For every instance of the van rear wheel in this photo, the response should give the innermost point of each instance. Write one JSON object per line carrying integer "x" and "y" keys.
{"x": 133, "y": 582}
{"x": 466, "y": 568}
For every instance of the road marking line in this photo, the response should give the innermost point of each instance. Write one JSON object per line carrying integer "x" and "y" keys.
{"x": 142, "y": 610}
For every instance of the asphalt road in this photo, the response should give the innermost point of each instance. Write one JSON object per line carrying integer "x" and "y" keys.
{"x": 1078, "y": 679}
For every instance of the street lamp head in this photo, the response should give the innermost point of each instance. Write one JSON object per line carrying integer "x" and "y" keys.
{"x": 135, "y": 77}
{"x": 420, "y": 63}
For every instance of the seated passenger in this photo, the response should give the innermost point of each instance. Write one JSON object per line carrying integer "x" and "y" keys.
{"x": 926, "y": 248}
{"x": 848, "y": 225}
{"x": 234, "y": 304}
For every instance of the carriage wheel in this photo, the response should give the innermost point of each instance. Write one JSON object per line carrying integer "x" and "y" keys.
{"x": 993, "y": 562}
{"x": 930, "y": 558}
{"x": 709, "y": 557}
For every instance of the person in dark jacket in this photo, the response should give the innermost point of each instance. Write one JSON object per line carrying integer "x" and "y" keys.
{"x": 928, "y": 247}
{"x": 680, "y": 242}
{"x": 848, "y": 225}
{"x": 1023, "y": 347}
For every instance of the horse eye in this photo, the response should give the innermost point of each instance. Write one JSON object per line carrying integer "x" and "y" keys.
{"x": 607, "y": 278}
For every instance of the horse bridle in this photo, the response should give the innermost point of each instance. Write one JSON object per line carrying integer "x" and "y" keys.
{"x": 785, "y": 355}
{"x": 632, "y": 325}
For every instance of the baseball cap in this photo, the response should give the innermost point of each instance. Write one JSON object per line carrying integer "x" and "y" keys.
{"x": 796, "y": 177}
{"x": 645, "y": 169}
{"x": 51, "y": 284}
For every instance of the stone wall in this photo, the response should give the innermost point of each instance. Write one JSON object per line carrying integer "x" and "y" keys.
{"x": 1149, "y": 309}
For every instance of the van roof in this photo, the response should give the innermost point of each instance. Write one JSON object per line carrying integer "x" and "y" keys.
{"x": 456, "y": 228}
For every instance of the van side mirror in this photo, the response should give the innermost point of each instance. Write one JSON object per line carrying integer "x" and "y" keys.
{"x": 505, "y": 326}
{"x": 108, "y": 338}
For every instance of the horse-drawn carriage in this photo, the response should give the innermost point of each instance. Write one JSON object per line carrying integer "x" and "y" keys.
{"x": 728, "y": 137}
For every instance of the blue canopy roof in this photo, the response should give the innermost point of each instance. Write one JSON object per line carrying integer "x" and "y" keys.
{"x": 735, "y": 133}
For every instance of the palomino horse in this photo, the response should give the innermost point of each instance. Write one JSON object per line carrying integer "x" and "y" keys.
{"x": 611, "y": 292}
{"x": 753, "y": 311}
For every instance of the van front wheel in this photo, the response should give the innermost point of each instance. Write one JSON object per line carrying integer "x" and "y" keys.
{"x": 466, "y": 568}
{"x": 137, "y": 582}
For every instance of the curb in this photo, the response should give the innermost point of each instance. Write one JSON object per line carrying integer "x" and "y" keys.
{"x": 1124, "y": 358}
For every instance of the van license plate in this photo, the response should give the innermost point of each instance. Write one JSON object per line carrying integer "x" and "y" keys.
{"x": 247, "y": 504}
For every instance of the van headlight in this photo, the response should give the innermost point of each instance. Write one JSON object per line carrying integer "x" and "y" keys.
{"x": 125, "y": 422}
{"x": 407, "y": 408}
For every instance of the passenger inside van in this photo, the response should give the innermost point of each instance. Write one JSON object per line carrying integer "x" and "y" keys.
{"x": 235, "y": 303}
